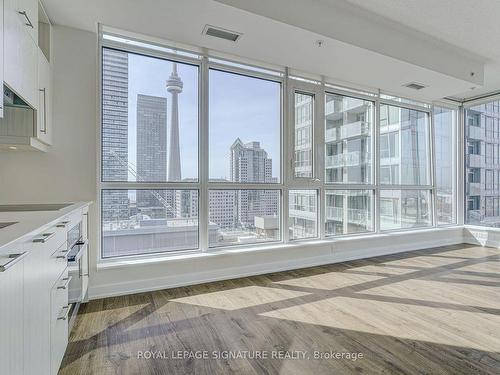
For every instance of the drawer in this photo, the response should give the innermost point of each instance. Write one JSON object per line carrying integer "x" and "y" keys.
{"x": 58, "y": 262}
{"x": 50, "y": 240}
{"x": 59, "y": 321}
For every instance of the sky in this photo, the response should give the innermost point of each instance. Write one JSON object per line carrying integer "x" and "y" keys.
{"x": 243, "y": 107}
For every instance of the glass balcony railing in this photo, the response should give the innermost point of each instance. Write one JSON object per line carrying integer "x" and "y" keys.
{"x": 354, "y": 216}
{"x": 353, "y": 129}
{"x": 347, "y": 104}
{"x": 348, "y": 159}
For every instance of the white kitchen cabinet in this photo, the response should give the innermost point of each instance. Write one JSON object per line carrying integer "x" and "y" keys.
{"x": 20, "y": 50}
{"x": 12, "y": 355}
{"x": 36, "y": 311}
{"x": 1, "y": 57}
{"x": 28, "y": 12}
{"x": 44, "y": 113}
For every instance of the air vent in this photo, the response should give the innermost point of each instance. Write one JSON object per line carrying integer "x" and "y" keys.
{"x": 415, "y": 86}
{"x": 220, "y": 33}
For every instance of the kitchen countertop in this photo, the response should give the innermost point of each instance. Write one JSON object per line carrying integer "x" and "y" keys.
{"x": 30, "y": 223}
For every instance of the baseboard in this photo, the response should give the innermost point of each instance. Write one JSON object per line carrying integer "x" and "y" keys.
{"x": 342, "y": 251}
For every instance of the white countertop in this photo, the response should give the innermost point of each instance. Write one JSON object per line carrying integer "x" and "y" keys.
{"x": 30, "y": 223}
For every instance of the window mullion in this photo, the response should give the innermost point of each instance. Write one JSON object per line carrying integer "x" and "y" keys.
{"x": 203, "y": 155}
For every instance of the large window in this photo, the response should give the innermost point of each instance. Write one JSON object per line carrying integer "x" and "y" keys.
{"x": 482, "y": 168}
{"x": 196, "y": 155}
{"x": 244, "y": 128}
{"x": 348, "y": 139}
{"x": 445, "y": 164}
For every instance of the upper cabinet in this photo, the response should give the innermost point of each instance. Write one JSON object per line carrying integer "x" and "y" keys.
{"x": 1, "y": 57}
{"x": 28, "y": 11}
{"x": 27, "y": 76}
{"x": 20, "y": 49}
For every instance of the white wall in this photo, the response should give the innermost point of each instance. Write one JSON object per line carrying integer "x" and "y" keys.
{"x": 67, "y": 172}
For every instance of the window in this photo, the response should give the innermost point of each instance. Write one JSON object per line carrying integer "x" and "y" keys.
{"x": 445, "y": 161}
{"x": 402, "y": 209}
{"x": 240, "y": 217}
{"x": 303, "y": 214}
{"x": 348, "y": 139}
{"x": 244, "y": 128}
{"x": 482, "y": 170}
{"x": 409, "y": 128}
{"x": 149, "y": 135}
{"x": 176, "y": 178}
{"x": 145, "y": 221}
{"x": 348, "y": 212}
{"x": 149, "y": 119}
{"x": 303, "y": 127}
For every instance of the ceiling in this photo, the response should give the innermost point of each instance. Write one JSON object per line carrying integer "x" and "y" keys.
{"x": 286, "y": 36}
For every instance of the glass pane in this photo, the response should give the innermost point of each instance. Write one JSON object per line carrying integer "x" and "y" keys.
{"x": 444, "y": 150}
{"x": 482, "y": 164}
{"x": 148, "y": 221}
{"x": 348, "y": 211}
{"x": 401, "y": 209}
{"x": 238, "y": 217}
{"x": 303, "y": 214}
{"x": 245, "y": 128}
{"x": 303, "y": 135}
{"x": 348, "y": 138}
{"x": 149, "y": 118}
{"x": 404, "y": 148}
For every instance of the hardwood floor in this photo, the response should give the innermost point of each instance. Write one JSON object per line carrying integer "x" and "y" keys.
{"x": 435, "y": 311}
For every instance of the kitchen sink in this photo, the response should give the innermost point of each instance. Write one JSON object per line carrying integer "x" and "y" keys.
{"x": 3, "y": 225}
{"x": 33, "y": 207}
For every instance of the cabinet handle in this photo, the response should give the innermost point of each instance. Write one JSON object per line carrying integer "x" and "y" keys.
{"x": 28, "y": 23}
{"x": 62, "y": 224}
{"x": 64, "y": 316}
{"x": 65, "y": 285}
{"x": 14, "y": 259}
{"x": 44, "y": 238}
{"x": 64, "y": 254}
{"x": 44, "y": 130}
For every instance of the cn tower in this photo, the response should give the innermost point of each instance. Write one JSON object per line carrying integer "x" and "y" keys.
{"x": 174, "y": 86}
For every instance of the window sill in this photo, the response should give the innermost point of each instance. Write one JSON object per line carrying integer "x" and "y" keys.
{"x": 126, "y": 262}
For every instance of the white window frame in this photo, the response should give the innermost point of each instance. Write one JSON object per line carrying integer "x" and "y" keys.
{"x": 289, "y": 85}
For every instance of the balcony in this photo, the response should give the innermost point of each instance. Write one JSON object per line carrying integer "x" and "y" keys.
{"x": 349, "y": 159}
{"x": 475, "y": 132}
{"x": 474, "y": 161}
{"x": 354, "y": 216}
{"x": 351, "y": 130}
{"x": 346, "y": 105}
{"x": 473, "y": 188}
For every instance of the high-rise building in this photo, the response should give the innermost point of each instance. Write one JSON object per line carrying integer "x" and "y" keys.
{"x": 250, "y": 163}
{"x": 482, "y": 177}
{"x": 152, "y": 153}
{"x": 115, "y": 131}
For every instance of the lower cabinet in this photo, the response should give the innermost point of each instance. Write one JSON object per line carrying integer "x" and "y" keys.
{"x": 59, "y": 316}
{"x": 12, "y": 354}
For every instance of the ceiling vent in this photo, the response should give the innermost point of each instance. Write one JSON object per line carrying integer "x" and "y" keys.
{"x": 415, "y": 86}
{"x": 221, "y": 33}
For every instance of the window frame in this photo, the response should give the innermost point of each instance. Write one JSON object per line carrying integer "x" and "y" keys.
{"x": 289, "y": 84}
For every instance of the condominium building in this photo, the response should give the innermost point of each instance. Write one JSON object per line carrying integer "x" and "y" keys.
{"x": 115, "y": 131}
{"x": 482, "y": 187}
{"x": 152, "y": 154}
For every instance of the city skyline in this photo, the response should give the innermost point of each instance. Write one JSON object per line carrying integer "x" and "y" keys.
{"x": 240, "y": 107}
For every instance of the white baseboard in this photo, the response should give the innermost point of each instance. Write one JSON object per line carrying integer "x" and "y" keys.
{"x": 126, "y": 281}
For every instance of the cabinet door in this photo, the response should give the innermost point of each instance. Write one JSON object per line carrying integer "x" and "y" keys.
{"x": 11, "y": 320}
{"x": 1, "y": 57}
{"x": 44, "y": 118}
{"x": 20, "y": 55}
{"x": 36, "y": 312}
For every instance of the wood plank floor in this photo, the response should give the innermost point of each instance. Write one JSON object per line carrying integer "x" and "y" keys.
{"x": 435, "y": 311}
